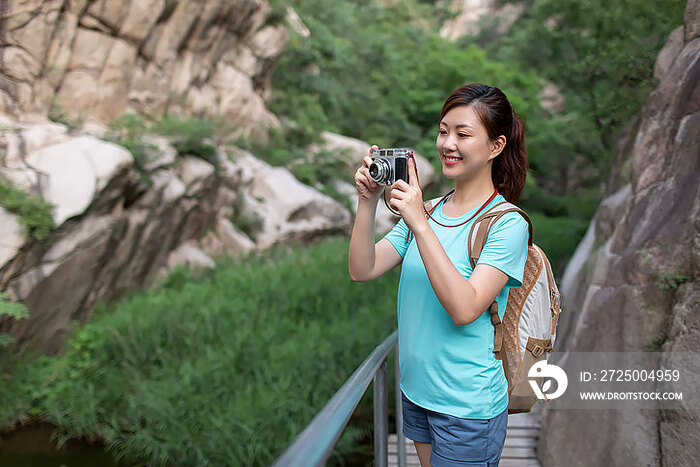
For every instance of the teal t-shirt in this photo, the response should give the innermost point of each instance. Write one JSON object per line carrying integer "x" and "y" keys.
{"x": 444, "y": 367}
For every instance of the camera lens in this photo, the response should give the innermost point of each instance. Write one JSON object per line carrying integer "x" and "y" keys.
{"x": 379, "y": 170}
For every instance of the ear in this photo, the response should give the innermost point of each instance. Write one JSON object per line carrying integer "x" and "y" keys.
{"x": 497, "y": 146}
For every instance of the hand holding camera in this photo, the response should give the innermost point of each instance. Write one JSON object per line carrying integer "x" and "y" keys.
{"x": 367, "y": 188}
{"x": 394, "y": 168}
{"x": 407, "y": 199}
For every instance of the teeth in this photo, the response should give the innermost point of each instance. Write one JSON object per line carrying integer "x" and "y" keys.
{"x": 452, "y": 158}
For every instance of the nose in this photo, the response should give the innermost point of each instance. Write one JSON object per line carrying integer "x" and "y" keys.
{"x": 449, "y": 142}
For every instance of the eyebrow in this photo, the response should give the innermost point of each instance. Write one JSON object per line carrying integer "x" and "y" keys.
{"x": 461, "y": 125}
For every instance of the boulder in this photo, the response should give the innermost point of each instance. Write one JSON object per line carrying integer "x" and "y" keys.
{"x": 352, "y": 150}
{"x": 470, "y": 15}
{"x": 11, "y": 236}
{"x": 284, "y": 208}
{"x": 75, "y": 171}
{"x": 633, "y": 283}
{"x": 188, "y": 254}
{"x": 226, "y": 240}
{"x": 291, "y": 210}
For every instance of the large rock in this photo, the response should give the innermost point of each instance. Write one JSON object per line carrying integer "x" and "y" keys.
{"x": 100, "y": 59}
{"x": 75, "y": 171}
{"x": 286, "y": 209}
{"x": 470, "y": 16}
{"x": 12, "y": 237}
{"x": 633, "y": 283}
{"x": 351, "y": 151}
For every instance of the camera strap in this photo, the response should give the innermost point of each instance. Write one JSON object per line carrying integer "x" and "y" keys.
{"x": 428, "y": 213}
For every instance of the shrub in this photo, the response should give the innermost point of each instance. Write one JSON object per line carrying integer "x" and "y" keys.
{"x": 128, "y": 131}
{"x": 34, "y": 213}
{"x": 189, "y": 135}
{"x": 14, "y": 310}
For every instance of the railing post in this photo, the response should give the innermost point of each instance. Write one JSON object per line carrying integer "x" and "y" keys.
{"x": 381, "y": 422}
{"x": 315, "y": 444}
{"x": 400, "y": 440}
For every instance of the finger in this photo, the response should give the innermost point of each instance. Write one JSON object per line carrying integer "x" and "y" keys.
{"x": 367, "y": 180}
{"x": 366, "y": 161}
{"x": 400, "y": 185}
{"x": 373, "y": 147}
{"x": 395, "y": 203}
{"x": 398, "y": 194}
{"x": 365, "y": 171}
{"x": 413, "y": 173}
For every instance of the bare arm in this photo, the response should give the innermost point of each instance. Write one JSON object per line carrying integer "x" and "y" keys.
{"x": 463, "y": 299}
{"x": 367, "y": 261}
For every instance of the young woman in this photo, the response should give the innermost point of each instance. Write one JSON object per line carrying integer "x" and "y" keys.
{"x": 454, "y": 389}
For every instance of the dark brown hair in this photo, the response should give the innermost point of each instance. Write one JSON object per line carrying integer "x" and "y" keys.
{"x": 495, "y": 112}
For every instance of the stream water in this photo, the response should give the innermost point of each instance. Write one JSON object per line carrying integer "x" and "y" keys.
{"x": 32, "y": 446}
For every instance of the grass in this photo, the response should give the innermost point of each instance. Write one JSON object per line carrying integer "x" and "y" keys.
{"x": 225, "y": 369}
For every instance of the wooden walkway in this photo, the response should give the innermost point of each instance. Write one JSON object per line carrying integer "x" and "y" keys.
{"x": 519, "y": 449}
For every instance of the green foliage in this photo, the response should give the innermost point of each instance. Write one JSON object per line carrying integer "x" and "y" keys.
{"x": 277, "y": 15}
{"x": 665, "y": 280}
{"x": 357, "y": 72}
{"x": 128, "y": 131}
{"x": 223, "y": 370}
{"x": 189, "y": 136}
{"x": 248, "y": 221}
{"x": 580, "y": 205}
{"x": 34, "y": 213}
{"x": 57, "y": 113}
{"x": 322, "y": 166}
{"x": 558, "y": 237}
{"x": 14, "y": 310}
{"x": 671, "y": 281}
{"x": 284, "y": 145}
{"x": 601, "y": 55}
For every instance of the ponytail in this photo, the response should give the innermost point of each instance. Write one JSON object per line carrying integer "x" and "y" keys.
{"x": 509, "y": 168}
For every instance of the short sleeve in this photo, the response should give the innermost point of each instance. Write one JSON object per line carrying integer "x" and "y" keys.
{"x": 397, "y": 237}
{"x": 506, "y": 247}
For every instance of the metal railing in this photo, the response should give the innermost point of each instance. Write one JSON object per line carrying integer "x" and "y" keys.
{"x": 315, "y": 444}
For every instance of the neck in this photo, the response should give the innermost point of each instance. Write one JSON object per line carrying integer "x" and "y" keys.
{"x": 472, "y": 193}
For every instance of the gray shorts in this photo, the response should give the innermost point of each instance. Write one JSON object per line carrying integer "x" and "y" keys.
{"x": 456, "y": 442}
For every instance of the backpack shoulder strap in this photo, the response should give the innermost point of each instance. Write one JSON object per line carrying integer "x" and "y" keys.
{"x": 482, "y": 225}
{"x": 431, "y": 204}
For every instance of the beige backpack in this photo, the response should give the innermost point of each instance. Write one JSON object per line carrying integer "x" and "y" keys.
{"x": 526, "y": 335}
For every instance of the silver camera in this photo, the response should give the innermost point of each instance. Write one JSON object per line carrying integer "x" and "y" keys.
{"x": 389, "y": 165}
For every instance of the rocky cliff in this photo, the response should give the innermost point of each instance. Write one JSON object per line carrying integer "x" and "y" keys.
{"x": 468, "y": 17}
{"x": 120, "y": 229}
{"x": 634, "y": 281}
{"x": 101, "y": 58}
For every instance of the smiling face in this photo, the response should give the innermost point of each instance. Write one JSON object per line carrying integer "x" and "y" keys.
{"x": 464, "y": 145}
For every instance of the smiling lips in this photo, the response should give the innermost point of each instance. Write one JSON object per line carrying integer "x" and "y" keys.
{"x": 452, "y": 160}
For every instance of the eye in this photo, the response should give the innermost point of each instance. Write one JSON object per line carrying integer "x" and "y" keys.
{"x": 442, "y": 132}
{"x": 463, "y": 135}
